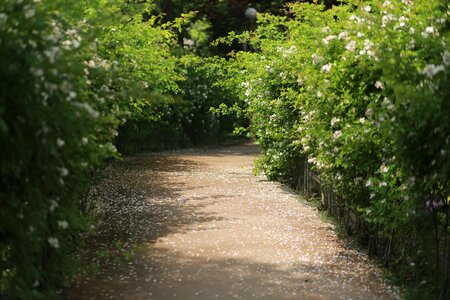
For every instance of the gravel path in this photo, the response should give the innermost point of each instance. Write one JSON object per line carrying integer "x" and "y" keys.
{"x": 198, "y": 225}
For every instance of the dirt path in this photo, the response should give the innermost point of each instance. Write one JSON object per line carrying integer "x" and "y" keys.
{"x": 199, "y": 225}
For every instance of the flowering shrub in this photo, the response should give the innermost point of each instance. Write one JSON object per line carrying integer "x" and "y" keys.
{"x": 54, "y": 129}
{"x": 67, "y": 79}
{"x": 361, "y": 92}
{"x": 71, "y": 74}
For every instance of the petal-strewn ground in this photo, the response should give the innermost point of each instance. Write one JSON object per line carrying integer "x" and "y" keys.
{"x": 198, "y": 225}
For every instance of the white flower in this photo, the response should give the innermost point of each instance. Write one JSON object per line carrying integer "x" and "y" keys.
{"x": 76, "y": 44}
{"x": 289, "y": 51}
{"x": 386, "y": 19}
{"x": 54, "y": 242}
{"x": 351, "y": 46}
{"x": 91, "y": 64}
{"x": 337, "y": 134}
{"x": 90, "y": 110}
{"x": 60, "y": 142}
{"x": 67, "y": 44}
{"x": 360, "y": 35}
{"x": 328, "y": 39}
{"x": 368, "y": 45}
{"x": 52, "y": 54}
{"x": 3, "y": 17}
{"x": 326, "y": 68}
{"x": 63, "y": 172}
{"x": 430, "y": 30}
{"x": 343, "y": 35}
{"x": 356, "y": 19}
{"x": 315, "y": 58}
{"x": 72, "y": 95}
{"x": 188, "y": 43}
{"x": 111, "y": 147}
{"x": 312, "y": 160}
{"x": 367, "y": 8}
{"x": 63, "y": 224}
{"x": 334, "y": 121}
{"x": 362, "y": 120}
{"x": 382, "y": 183}
{"x": 30, "y": 12}
{"x": 431, "y": 70}
{"x": 369, "y": 112}
{"x": 53, "y": 205}
{"x": 369, "y": 182}
{"x": 84, "y": 140}
{"x": 446, "y": 58}
{"x": 379, "y": 85}
{"x": 384, "y": 169}
{"x": 326, "y": 29}
{"x": 388, "y": 104}
{"x": 441, "y": 20}
{"x": 319, "y": 94}
{"x": 37, "y": 72}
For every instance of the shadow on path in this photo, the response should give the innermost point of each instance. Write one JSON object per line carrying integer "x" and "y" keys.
{"x": 195, "y": 224}
{"x": 140, "y": 200}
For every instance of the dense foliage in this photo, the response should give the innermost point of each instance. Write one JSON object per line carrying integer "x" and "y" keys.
{"x": 55, "y": 127}
{"x": 71, "y": 74}
{"x": 361, "y": 92}
{"x": 185, "y": 118}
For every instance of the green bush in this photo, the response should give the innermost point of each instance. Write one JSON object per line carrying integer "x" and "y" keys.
{"x": 361, "y": 91}
{"x": 57, "y": 121}
{"x": 185, "y": 117}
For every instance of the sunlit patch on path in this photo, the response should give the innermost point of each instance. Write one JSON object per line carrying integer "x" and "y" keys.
{"x": 198, "y": 225}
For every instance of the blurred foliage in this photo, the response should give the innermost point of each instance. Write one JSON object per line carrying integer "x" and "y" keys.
{"x": 168, "y": 121}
